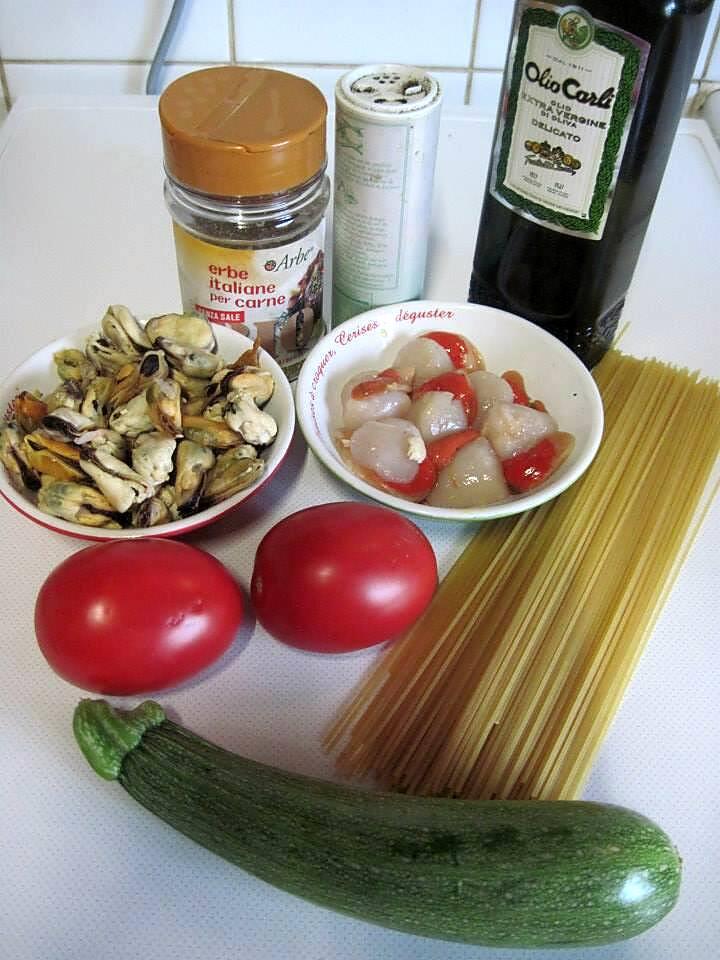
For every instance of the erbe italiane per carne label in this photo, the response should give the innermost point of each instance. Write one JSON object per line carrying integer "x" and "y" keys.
{"x": 572, "y": 89}
{"x": 274, "y": 294}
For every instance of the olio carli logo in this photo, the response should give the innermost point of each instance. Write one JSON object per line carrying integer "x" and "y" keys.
{"x": 575, "y": 28}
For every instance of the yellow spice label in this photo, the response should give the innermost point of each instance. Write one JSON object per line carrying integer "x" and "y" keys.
{"x": 274, "y": 294}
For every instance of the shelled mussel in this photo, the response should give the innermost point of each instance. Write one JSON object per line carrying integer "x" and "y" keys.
{"x": 147, "y": 425}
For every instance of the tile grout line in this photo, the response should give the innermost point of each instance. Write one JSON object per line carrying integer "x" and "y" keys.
{"x": 231, "y": 30}
{"x": 473, "y": 49}
{"x": 87, "y": 62}
{"x": 469, "y": 71}
{"x": 4, "y": 88}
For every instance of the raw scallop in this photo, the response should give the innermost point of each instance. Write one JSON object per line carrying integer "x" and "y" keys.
{"x": 489, "y": 389}
{"x": 512, "y": 428}
{"x": 437, "y": 414}
{"x": 390, "y": 403}
{"x": 474, "y": 478}
{"x": 391, "y": 448}
{"x": 426, "y": 357}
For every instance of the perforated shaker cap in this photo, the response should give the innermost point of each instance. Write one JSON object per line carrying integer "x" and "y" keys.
{"x": 388, "y": 90}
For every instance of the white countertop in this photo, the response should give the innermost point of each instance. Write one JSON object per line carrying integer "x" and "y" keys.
{"x": 87, "y": 873}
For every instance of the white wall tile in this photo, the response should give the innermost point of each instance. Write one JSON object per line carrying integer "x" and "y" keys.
{"x": 713, "y": 72}
{"x": 494, "y": 25}
{"x": 324, "y": 78}
{"x": 707, "y": 43}
{"x": 377, "y": 31}
{"x": 452, "y": 83}
{"x": 485, "y": 92}
{"x": 71, "y": 78}
{"x": 83, "y": 78}
{"x": 110, "y": 29}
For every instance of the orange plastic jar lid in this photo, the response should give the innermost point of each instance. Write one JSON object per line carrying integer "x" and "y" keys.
{"x": 243, "y": 131}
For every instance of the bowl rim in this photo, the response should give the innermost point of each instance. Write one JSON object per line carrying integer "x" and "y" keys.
{"x": 518, "y": 503}
{"x": 174, "y": 528}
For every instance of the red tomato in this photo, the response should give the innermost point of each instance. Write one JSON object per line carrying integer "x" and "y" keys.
{"x": 342, "y": 576}
{"x": 132, "y": 616}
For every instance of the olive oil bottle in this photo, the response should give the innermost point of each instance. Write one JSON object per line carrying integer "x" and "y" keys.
{"x": 591, "y": 101}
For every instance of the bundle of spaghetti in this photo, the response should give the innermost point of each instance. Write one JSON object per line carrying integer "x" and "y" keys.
{"x": 507, "y": 685}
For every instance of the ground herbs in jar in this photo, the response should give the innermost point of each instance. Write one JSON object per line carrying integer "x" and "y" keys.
{"x": 245, "y": 157}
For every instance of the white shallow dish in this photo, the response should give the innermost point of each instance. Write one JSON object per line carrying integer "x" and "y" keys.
{"x": 370, "y": 341}
{"x": 38, "y": 373}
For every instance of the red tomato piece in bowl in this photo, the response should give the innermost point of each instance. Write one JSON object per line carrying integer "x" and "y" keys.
{"x": 341, "y": 577}
{"x": 133, "y": 616}
{"x": 462, "y": 353}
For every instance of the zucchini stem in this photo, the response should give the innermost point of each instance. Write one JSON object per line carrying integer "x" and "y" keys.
{"x": 106, "y": 735}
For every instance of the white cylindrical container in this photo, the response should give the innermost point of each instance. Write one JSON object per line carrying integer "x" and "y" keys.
{"x": 386, "y": 129}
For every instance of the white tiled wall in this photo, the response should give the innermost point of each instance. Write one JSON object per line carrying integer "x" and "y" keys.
{"x": 106, "y": 46}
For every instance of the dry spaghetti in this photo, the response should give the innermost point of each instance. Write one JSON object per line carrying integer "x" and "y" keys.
{"x": 507, "y": 686}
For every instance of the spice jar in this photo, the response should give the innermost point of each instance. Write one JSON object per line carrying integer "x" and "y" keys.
{"x": 245, "y": 157}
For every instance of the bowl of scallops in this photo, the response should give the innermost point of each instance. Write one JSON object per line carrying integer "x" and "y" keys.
{"x": 452, "y": 411}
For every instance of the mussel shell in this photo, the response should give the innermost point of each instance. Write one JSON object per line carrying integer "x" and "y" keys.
{"x": 50, "y": 464}
{"x": 78, "y": 503}
{"x": 234, "y": 471}
{"x": 210, "y": 433}
{"x": 132, "y": 418}
{"x": 194, "y": 407}
{"x": 29, "y": 410}
{"x": 153, "y": 366}
{"x": 12, "y": 456}
{"x": 193, "y": 388}
{"x": 193, "y": 362}
{"x": 121, "y": 327}
{"x": 182, "y": 329}
{"x": 72, "y": 364}
{"x": 120, "y": 484}
{"x": 192, "y": 463}
{"x": 164, "y": 400}
{"x": 68, "y": 393}
{"x": 256, "y": 382}
{"x": 150, "y": 513}
{"x": 66, "y": 424}
{"x": 133, "y": 378}
{"x": 110, "y": 440}
{"x": 105, "y": 356}
{"x": 152, "y": 457}
{"x": 95, "y": 401}
{"x": 244, "y": 417}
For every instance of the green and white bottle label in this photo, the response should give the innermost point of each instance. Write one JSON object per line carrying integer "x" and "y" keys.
{"x": 570, "y": 90}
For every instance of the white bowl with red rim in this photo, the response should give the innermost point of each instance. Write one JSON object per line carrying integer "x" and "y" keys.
{"x": 38, "y": 373}
{"x": 371, "y": 341}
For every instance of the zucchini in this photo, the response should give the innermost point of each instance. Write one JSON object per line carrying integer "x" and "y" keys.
{"x": 499, "y": 873}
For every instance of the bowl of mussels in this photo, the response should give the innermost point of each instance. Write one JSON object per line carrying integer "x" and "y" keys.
{"x": 130, "y": 429}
